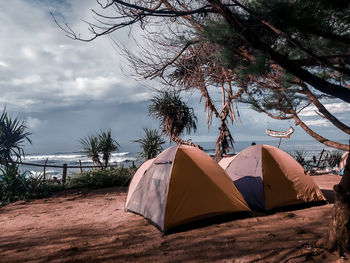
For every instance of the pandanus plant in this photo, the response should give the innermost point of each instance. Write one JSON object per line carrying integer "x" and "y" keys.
{"x": 174, "y": 115}
{"x": 104, "y": 144}
{"x": 13, "y": 135}
{"x": 91, "y": 148}
{"x": 151, "y": 144}
{"x": 107, "y": 145}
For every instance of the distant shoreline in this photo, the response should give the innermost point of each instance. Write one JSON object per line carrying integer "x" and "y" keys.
{"x": 133, "y": 146}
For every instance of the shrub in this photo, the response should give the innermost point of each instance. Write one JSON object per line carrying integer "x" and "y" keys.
{"x": 12, "y": 185}
{"x": 119, "y": 176}
{"x": 39, "y": 188}
{"x": 15, "y": 186}
{"x": 333, "y": 158}
{"x": 299, "y": 156}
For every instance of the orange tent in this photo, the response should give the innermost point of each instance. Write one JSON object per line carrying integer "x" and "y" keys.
{"x": 182, "y": 184}
{"x": 268, "y": 178}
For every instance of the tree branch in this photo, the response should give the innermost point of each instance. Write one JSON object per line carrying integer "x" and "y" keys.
{"x": 318, "y": 83}
{"x": 324, "y": 111}
{"x": 164, "y": 12}
{"x": 334, "y": 60}
{"x": 316, "y": 136}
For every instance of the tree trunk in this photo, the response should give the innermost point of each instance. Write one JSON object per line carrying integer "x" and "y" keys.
{"x": 97, "y": 161}
{"x": 224, "y": 142}
{"x": 339, "y": 233}
{"x": 106, "y": 159}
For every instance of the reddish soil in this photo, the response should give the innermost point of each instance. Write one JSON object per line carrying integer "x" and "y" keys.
{"x": 91, "y": 226}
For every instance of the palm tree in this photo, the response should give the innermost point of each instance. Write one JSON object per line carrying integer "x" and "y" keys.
{"x": 174, "y": 115}
{"x": 12, "y": 137}
{"x": 107, "y": 145}
{"x": 151, "y": 144}
{"x": 91, "y": 148}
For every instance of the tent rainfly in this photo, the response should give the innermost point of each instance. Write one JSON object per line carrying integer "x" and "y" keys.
{"x": 181, "y": 185}
{"x": 269, "y": 178}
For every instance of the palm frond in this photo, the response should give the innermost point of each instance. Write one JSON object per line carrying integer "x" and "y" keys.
{"x": 107, "y": 145}
{"x": 174, "y": 115}
{"x": 151, "y": 144}
{"x": 90, "y": 146}
{"x": 13, "y": 135}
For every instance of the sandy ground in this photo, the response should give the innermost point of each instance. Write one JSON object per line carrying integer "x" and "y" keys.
{"x": 91, "y": 226}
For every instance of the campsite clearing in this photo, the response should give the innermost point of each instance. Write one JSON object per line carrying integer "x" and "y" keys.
{"x": 91, "y": 226}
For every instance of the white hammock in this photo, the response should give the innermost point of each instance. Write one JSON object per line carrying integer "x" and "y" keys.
{"x": 278, "y": 134}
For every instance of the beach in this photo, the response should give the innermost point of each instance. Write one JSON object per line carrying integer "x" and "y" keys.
{"x": 92, "y": 226}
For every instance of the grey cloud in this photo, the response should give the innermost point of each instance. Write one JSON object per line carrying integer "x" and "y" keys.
{"x": 47, "y": 68}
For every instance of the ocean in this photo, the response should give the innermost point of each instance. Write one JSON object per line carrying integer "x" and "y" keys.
{"x": 128, "y": 155}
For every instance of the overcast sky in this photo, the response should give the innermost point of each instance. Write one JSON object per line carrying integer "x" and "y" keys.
{"x": 65, "y": 89}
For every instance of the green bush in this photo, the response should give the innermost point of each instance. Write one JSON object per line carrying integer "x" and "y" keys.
{"x": 39, "y": 188}
{"x": 15, "y": 186}
{"x": 333, "y": 158}
{"x": 102, "y": 178}
{"x": 299, "y": 156}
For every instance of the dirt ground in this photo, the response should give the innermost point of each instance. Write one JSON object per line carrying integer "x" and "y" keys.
{"x": 91, "y": 226}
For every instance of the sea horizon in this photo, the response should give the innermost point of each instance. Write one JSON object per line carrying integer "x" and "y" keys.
{"x": 129, "y": 155}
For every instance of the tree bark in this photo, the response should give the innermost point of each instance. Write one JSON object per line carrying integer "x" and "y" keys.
{"x": 339, "y": 232}
{"x": 224, "y": 141}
